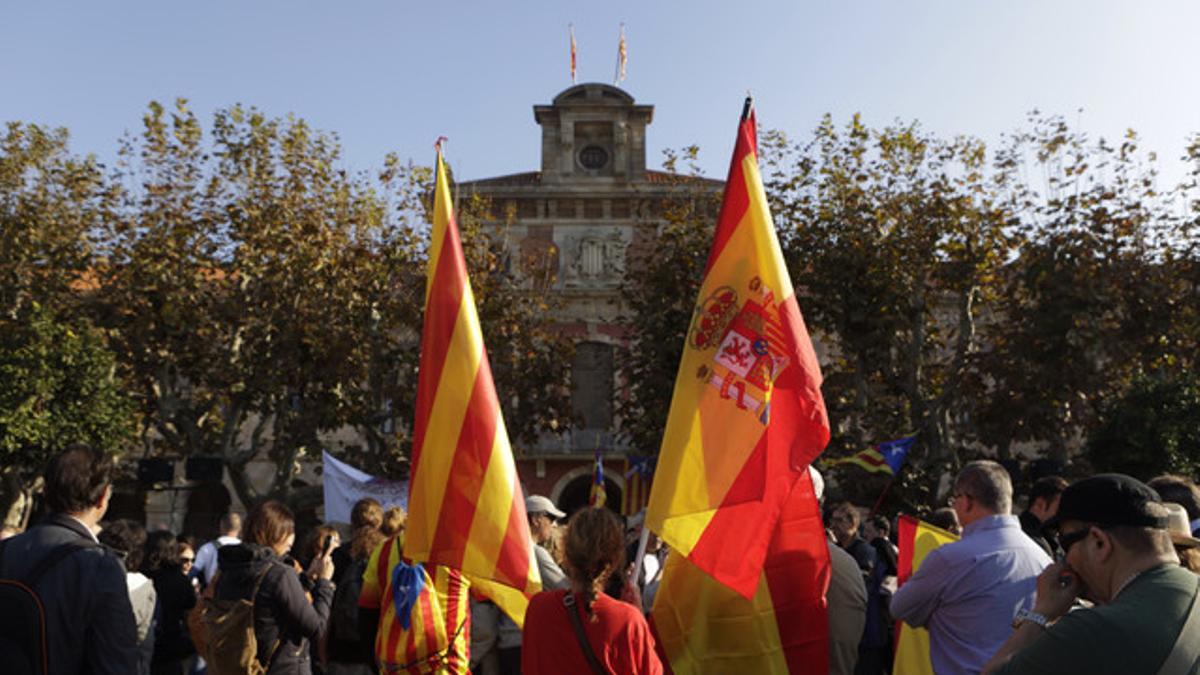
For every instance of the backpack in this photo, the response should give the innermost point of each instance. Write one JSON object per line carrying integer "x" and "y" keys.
{"x": 343, "y": 616}
{"x": 24, "y": 646}
{"x": 231, "y": 647}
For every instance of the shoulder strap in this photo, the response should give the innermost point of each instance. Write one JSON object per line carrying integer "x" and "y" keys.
{"x": 573, "y": 610}
{"x": 258, "y": 583}
{"x": 254, "y": 606}
{"x": 55, "y": 556}
{"x": 1185, "y": 654}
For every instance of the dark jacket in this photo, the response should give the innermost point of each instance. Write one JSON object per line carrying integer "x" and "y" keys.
{"x": 284, "y": 619}
{"x": 89, "y": 621}
{"x": 864, "y": 554}
{"x": 1033, "y": 528}
{"x": 175, "y": 598}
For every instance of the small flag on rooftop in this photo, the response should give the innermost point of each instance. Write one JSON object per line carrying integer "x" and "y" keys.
{"x": 574, "y": 52}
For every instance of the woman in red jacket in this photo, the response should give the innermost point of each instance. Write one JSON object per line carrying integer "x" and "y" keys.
{"x": 582, "y": 630}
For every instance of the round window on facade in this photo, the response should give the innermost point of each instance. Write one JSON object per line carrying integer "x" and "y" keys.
{"x": 593, "y": 157}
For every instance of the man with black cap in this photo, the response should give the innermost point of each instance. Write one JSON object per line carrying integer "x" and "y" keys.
{"x": 1118, "y": 554}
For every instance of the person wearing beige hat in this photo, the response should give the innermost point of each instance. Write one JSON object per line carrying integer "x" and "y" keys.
{"x": 542, "y": 515}
{"x": 1187, "y": 547}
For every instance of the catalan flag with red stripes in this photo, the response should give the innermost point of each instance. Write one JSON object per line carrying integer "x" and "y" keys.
{"x": 466, "y": 510}
{"x": 432, "y": 636}
{"x": 747, "y": 416}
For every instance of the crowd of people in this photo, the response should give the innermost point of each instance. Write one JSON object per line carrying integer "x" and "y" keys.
{"x": 1096, "y": 576}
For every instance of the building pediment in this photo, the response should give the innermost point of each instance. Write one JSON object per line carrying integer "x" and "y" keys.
{"x": 592, "y": 93}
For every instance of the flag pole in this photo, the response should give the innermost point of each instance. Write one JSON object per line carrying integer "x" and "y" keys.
{"x": 879, "y": 501}
{"x": 617, "y": 66}
{"x": 641, "y": 553}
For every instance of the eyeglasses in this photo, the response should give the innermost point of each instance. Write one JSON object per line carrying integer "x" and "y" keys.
{"x": 956, "y": 495}
{"x": 187, "y": 561}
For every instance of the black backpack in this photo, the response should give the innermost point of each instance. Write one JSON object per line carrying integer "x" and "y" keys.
{"x": 24, "y": 647}
{"x": 343, "y": 615}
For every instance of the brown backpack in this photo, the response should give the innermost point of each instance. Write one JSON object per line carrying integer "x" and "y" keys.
{"x": 230, "y": 645}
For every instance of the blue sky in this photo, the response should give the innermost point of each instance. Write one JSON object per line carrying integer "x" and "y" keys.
{"x": 393, "y": 76}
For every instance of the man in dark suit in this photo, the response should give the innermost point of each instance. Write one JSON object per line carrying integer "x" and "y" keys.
{"x": 89, "y": 621}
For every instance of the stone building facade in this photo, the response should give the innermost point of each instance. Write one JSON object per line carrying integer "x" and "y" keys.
{"x": 584, "y": 215}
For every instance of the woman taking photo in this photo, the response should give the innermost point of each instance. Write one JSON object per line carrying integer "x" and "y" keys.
{"x": 582, "y": 630}
{"x": 257, "y": 570}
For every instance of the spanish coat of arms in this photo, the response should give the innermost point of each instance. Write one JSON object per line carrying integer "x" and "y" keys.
{"x": 750, "y": 344}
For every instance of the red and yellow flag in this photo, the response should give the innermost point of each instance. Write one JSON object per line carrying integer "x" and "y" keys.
{"x": 746, "y": 415}
{"x": 705, "y": 627}
{"x": 916, "y": 540}
{"x": 574, "y": 52}
{"x": 465, "y": 509}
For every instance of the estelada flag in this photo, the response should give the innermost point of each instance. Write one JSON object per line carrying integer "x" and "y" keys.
{"x": 465, "y": 507}
{"x": 916, "y": 540}
{"x": 883, "y": 458}
{"x": 702, "y": 626}
{"x": 746, "y": 415}
{"x": 598, "y": 496}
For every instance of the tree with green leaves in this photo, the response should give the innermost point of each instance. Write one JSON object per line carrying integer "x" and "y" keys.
{"x": 59, "y": 381}
{"x": 253, "y": 286}
{"x": 60, "y": 387}
{"x": 896, "y": 246}
{"x": 1153, "y": 429}
{"x": 267, "y": 302}
{"x": 1099, "y": 296}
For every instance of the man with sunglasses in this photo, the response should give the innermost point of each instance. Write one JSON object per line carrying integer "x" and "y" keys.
{"x": 966, "y": 592}
{"x": 1118, "y": 554}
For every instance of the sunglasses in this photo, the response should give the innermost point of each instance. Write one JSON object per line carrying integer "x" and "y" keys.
{"x": 187, "y": 560}
{"x": 1069, "y": 539}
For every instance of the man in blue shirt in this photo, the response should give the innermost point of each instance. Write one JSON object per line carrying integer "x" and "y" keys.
{"x": 967, "y": 592}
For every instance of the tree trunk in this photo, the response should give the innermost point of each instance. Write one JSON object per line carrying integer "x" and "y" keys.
{"x": 16, "y": 499}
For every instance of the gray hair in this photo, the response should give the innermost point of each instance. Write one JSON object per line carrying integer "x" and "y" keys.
{"x": 988, "y": 483}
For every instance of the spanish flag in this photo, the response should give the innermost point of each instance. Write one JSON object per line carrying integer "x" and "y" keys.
{"x": 702, "y": 626}
{"x": 746, "y": 415}
{"x": 465, "y": 509}
{"x": 916, "y": 539}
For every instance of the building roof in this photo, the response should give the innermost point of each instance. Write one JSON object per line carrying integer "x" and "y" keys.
{"x": 535, "y": 178}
